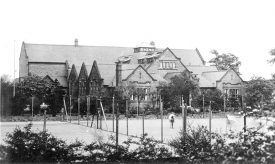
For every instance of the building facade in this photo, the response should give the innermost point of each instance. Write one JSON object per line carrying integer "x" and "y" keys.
{"x": 87, "y": 70}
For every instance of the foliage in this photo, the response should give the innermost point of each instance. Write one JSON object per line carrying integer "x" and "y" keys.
{"x": 225, "y": 61}
{"x": 179, "y": 86}
{"x": 149, "y": 149}
{"x": 192, "y": 147}
{"x": 258, "y": 89}
{"x": 213, "y": 95}
{"x": 253, "y": 146}
{"x": 272, "y": 53}
{"x": 42, "y": 89}
{"x": 234, "y": 102}
{"x": 195, "y": 145}
{"x": 25, "y": 145}
{"x": 6, "y": 94}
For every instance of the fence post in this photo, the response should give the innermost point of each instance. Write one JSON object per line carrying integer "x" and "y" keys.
{"x": 96, "y": 106}
{"x": 113, "y": 110}
{"x": 32, "y": 106}
{"x": 127, "y": 112}
{"x": 117, "y": 115}
{"x": 70, "y": 108}
{"x": 143, "y": 122}
{"x": 100, "y": 114}
{"x": 203, "y": 105}
{"x": 45, "y": 117}
{"x": 224, "y": 104}
{"x": 88, "y": 109}
{"x": 64, "y": 106}
{"x": 78, "y": 112}
{"x": 161, "y": 117}
{"x": 210, "y": 121}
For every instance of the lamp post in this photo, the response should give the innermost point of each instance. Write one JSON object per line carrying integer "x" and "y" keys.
{"x": 44, "y": 107}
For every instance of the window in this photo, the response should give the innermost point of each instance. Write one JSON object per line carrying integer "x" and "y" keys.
{"x": 149, "y": 60}
{"x": 167, "y": 65}
{"x": 141, "y": 94}
{"x": 234, "y": 92}
{"x": 82, "y": 88}
{"x": 140, "y": 61}
{"x": 160, "y": 65}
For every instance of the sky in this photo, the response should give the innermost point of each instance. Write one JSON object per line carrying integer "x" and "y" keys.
{"x": 245, "y": 28}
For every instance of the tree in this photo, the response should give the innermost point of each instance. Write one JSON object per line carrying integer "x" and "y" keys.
{"x": 272, "y": 53}
{"x": 44, "y": 90}
{"x": 131, "y": 89}
{"x": 213, "y": 95}
{"x": 6, "y": 91}
{"x": 258, "y": 90}
{"x": 225, "y": 61}
{"x": 181, "y": 85}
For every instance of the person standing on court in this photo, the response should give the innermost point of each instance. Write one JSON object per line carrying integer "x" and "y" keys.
{"x": 172, "y": 120}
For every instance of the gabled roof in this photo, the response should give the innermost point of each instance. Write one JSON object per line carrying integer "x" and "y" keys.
{"x": 94, "y": 68}
{"x": 83, "y": 71}
{"x": 167, "y": 49}
{"x": 107, "y": 72}
{"x": 62, "y": 80}
{"x": 189, "y": 56}
{"x": 198, "y": 70}
{"x": 133, "y": 72}
{"x": 209, "y": 79}
{"x": 47, "y": 77}
{"x": 214, "y": 76}
{"x": 73, "y": 74}
{"x": 102, "y": 54}
{"x": 75, "y": 54}
{"x": 227, "y": 73}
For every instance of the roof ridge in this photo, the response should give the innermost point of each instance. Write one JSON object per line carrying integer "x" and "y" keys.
{"x": 73, "y": 45}
{"x": 214, "y": 71}
{"x": 182, "y": 49}
{"x": 200, "y": 66}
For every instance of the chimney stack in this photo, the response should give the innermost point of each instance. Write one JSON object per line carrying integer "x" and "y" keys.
{"x": 76, "y": 42}
{"x": 118, "y": 73}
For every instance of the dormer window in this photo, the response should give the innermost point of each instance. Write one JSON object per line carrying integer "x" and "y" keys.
{"x": 149, "y": 60}
{"x": 140, "y": 61}
{"x": 144, "y": 47}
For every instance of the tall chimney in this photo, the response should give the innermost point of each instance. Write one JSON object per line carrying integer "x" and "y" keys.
{"x": 76, "y": 42}
{"x": 118, "y": 73}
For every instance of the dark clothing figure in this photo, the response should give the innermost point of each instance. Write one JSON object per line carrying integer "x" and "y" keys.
{"x": 172, "y": 120}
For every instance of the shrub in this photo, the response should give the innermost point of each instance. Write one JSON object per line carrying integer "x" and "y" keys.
{"x": 27, "y": 146}
{"x": 23, "y": 145}
{"x": 149, "y": 149}
{"x": 253, "y": 146}
{"x": 195, "y": 145}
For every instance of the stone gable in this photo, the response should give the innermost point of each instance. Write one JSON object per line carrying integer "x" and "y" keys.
{"x": 139, "y": 75}
{"x": 230, "y": 80}
{"x": 166, "y": 63}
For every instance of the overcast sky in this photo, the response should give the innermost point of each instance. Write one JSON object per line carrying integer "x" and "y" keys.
{"x": 245, "y": 28}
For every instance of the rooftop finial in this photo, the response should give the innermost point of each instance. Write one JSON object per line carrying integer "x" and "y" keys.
{"x": 76, "y": 42}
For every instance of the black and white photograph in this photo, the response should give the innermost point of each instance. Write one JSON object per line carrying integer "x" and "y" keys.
{"x": 137, "y": 81}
